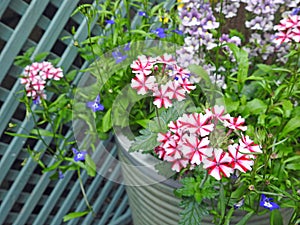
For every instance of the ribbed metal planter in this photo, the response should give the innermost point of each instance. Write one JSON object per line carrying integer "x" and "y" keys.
{"x": 151, "y": 197}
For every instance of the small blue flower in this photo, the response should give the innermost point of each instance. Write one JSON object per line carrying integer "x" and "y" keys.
{"x": 160, "y": 32}
{"x": 267, "y": 203}
{"x": 295, "y": 11}
{"x": 60, "y": 175}
{"x": 177, "y": 31}
{"x": 110, "y": 21}
{"x": 142, "y": 13}
{"x": 95, "y": 105}
{"x": 118, "y": 56}
{"x": 127, "y": 47}
{"x": 79, "y": 155}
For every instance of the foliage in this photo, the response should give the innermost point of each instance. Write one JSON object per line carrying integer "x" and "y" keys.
{"x": 218, "y": 65}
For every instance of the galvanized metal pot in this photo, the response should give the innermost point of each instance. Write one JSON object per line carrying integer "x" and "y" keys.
{"x": 151, "y": 196}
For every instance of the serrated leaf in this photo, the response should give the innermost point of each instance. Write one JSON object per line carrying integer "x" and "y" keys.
{"x": 74, "y": 215}
{"x": 145, "y": 142}
{"x": 187, "y": 189}
{"x": 192, "y": 212}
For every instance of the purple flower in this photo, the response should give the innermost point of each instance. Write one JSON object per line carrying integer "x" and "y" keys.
{"x": 127, "y": 47}
{"x": 110, "y": 21}
{"x": 95, "y": 105}
{"x": 60, "y": 175}
{"x": 37, "y": 101}
{"x": 177, "y": 31}
{"x": 267, "y": 203}
{"x": 160, "y": 32}
{"x": 79, "y": 155}
{"x": 295, "y": 11}
{"x": 142, "y": 13}
{"x": 118, "y": 56}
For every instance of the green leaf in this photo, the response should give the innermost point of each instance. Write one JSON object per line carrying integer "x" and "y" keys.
{"x": 21, "y": 135}
{"x": 202, "y": 73}
{"x": 187, "y": 189}
{"x": 46, "y": 133}
{"x": 90, "y": 165}
{"x": 192, "y": 212}
{"x": 293, "y": 166}
{"x": 241, "y": 57}
{"x": 221, "y": 201}
{"x": 292, "y": 125}
{"x": 265, "y": 68}
{"x": 74, "y": 215}
{"x": 244, "y": 220}
{"x": 256, "y": 106}
{"x": 106, "y": 121}
{"x": 41, "y": 56}
{"x": 287, "y": 107}
{"x": 143, "y": 123}
{"x": 53, "y": 167}
{"x": 276, "y": 218}
{"x": 145, "y": 142}
{"x": 231, "y": 105}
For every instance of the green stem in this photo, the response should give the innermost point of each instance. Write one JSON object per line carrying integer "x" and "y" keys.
{"x": 83, "y": 191}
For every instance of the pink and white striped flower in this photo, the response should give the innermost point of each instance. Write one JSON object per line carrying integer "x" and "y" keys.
{"x": 166, "y": 59}
{"x": 143, "y": 65}
{"x": 35, "y": 76}
{"x": 178, "y": 164}
{"x": 173, "y": 149}
{"x": 175, "y": 91}
{"x": 240, "y": 161}
{"x": 248, "y": 146}
{"x": 235, "y": 123}
{"x": 161, "y": 97}
{"x": 218, "y": 166}
{"x": 288, "y": 30}
{"x": 196, "y": 149}
{"x": 187, "y": 85}
{"x": 143, "y": 84}
{"x": 197, "y": 123}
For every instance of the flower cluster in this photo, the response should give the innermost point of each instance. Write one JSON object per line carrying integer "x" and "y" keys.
{"x": 198, "y": 22}
{"x": 195, "y": 139}
{"x": 162, "y": 78}
{"x": 288, "y": 30}
{"x": 35, "y": 77}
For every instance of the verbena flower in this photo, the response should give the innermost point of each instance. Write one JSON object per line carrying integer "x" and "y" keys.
{"x": 267, "y": 203}
{"x": 95, "y": 105}
{"x": 35, "y": 78}
{"x": 191, "y": 137}
{"x": 162, "y": 78}
{"x": 79, "y": 155}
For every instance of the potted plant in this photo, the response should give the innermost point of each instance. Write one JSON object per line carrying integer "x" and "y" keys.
{"x": 219, "y": 122}
{"x": 224, "y": 170}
